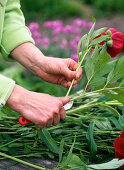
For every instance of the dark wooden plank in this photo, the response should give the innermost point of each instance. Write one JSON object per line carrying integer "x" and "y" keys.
{"x": 37, "y": 161}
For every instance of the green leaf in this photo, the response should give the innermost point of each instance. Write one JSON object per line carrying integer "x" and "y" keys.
{"x": 83, "y": 41}
{"x": 122, "y": 83}
{"x": 107, "y": 68}
{"x": 98, "y": 82}
{"x": 116, "y": 96}
{"x": 48, "y": 140}
{"x": 68, "y": 158}
{"x": 98, "y": 40}
{"x": 90, "y": 139}
{"x": 75, "y": 162}
{"x": 113, "y": 164}
{"x": 15, "y": 145}
{"x": 115, "y": 122}
{"x": 110, "y": 109}
{"x": 102, "y": 59}
{"x": 89, "y": 67}
{"x": 1, "y": 114}
{"x": 94, "y": 64}
{"x": 92, "y": 28}
{"x": 61, "y": 149}
{"x": 117, "y": 72}
{"x": 103, "y": 124}
{"x": 90, "y": 62}
{"x": 98, "y": 32}
{"x": 121, "y": 121}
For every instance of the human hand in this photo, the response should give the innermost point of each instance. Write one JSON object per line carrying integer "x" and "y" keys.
{"x": 58, "y": 71}
{"x": 53, "y": 70}
{"x": 42, "y": 109}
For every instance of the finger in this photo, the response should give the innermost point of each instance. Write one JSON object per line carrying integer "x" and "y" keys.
{"x": 41, "y": 125}
{"x": 79, "y": 79}
{"x": 64, "y": 100}
{"x": 79, "y": 73}
{"x": 62, "y": 113}
{"x": 49, "y": 123}
{"x": 69, "y": 74}
{"x": 64, "y": 83}
{"x": 56, "y": 119}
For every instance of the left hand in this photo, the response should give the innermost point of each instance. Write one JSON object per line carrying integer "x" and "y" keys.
{"x": 53, "y": 70}
{"x": 58, "y": 71}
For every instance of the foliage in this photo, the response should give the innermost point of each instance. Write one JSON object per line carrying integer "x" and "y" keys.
{"x": 106, "y": 7}
{"x": 49, "y": 9}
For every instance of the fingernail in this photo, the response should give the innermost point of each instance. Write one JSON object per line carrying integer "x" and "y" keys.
{"x": 78, "y": 76}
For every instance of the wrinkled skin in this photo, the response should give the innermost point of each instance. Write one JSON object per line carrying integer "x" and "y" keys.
{"x": 42, "y": 109}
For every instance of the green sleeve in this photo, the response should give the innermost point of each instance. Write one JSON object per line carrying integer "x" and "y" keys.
{"x": 6, "y": 87}
{"x": 14, "y": 30}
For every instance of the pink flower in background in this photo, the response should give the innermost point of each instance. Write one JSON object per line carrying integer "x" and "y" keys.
{"x": 53, "y": 24}
{"x": 48, "y": 24}
{"x": 36, "y": 34}
{"x": 74, "y": 57}
{"x": 38, "y": 41}
{"x": 45, "y": 42}
{"x": 33, "y": 26}
{"x": 84, "y": 23}
{"x": 89, "y": 25}
{"x": 77, "y": 38}
{"x": 57, "y": 23}
{"x": 67, "y": 29}
{"x": 80, "y": 22}
{"x": 73, "y": 45}
{"x": 62, "y": 36}
{"x": 55, "y": 39}
{"x": 57, "y": 30}
{"x": 76, "y": 30}
{"x": 64, "y": 43}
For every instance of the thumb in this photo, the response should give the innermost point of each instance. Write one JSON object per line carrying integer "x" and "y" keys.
{"x": 64, "y": 100}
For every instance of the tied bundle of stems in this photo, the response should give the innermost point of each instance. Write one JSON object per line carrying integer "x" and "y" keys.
{"x": 105, "y": 78}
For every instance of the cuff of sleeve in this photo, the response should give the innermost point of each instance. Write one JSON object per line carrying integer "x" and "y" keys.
{"x": 14, "y": 39}
{"x": 6, "y": 88}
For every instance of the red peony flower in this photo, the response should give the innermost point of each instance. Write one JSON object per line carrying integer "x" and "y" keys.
{"x": 103, "y": 42}
{"x": 116, "y": 43}
{"x": 119, "y": 146}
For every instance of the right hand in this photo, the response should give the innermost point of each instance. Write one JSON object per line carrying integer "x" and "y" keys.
{"x": 42, "y": 109}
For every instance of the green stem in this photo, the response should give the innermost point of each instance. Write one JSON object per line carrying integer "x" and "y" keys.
{"x": 92, "y": 92}
{"x": 21, "y": 161}
{"x": 36, "y": 138}
{"x": 79, "y": 65}
{"x": 10, "y": 142}
{"x": 91, "y": 105}
{"x": 70, "y": 86}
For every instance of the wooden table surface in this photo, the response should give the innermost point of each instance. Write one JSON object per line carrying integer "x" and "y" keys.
{"x": 37, "y": 161}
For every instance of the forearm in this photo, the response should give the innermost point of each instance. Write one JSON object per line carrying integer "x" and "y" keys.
{"x": 29, "y": 56}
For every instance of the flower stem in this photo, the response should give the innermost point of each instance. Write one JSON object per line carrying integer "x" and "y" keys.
{"x": 92, "y": 92}
{"x": 36, "y": 138}
{"x": 21, "y": 161}
{"x": 79, "y": 65}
